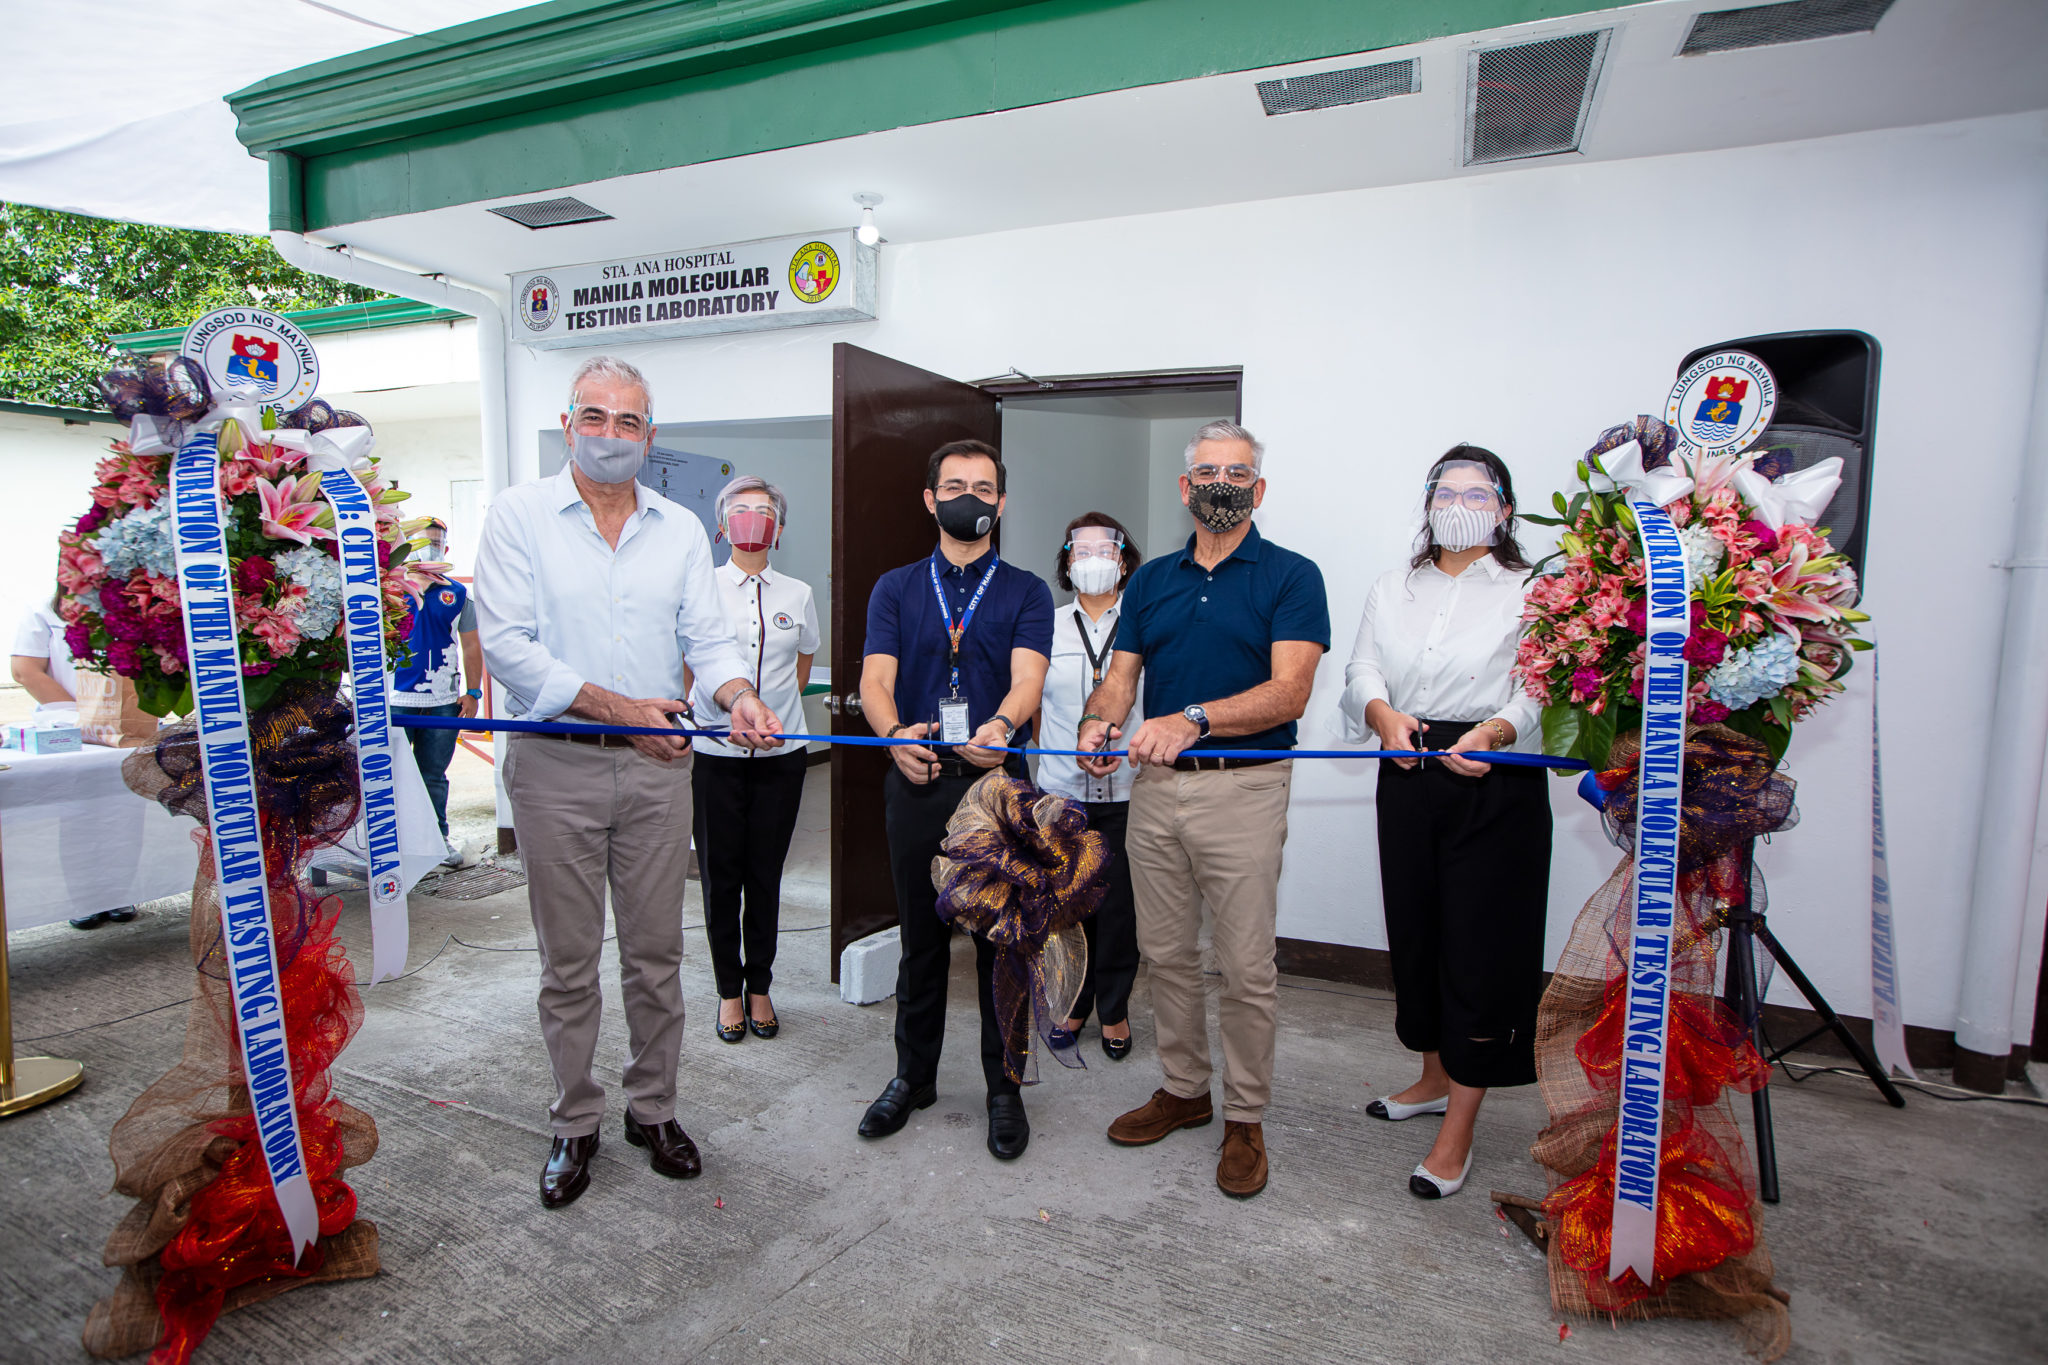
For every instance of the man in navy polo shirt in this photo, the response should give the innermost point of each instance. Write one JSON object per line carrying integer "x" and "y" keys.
{"x": 1227, "y": 633}
{"x": 431, "y": 681}
{"x": 957, "y": 648}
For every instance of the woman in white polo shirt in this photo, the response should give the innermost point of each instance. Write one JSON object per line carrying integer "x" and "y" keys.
{"x": 1094, "y": 563}
{"x": 746, "y": 800}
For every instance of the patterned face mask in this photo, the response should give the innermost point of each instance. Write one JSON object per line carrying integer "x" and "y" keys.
{"x": 1460, "y": 528}
{"x": 1219, "y": 505}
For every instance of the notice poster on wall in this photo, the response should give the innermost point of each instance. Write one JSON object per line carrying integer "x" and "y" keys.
{"x": 739, "y": 287}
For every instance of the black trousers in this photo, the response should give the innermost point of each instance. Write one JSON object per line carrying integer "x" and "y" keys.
{"x": 1112, "y": 931}
{"x": 1465, "y": 868}
{"x": 745, "y": 814}
{"x": 914, "y": 819}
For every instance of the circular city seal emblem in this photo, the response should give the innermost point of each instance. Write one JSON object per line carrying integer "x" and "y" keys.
{"x": 784, "y": 621}
{"x": 254, "y": 356}
{"x": 1722, "y": 403}
{"x": 813, "y": 272}
{"x": 539, "y": 303}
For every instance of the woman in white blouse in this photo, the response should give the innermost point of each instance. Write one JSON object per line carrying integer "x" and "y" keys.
{"x": 1464, "y": 844}
{"x": 1094, "y": 563}
{"x": 746, "y": 800}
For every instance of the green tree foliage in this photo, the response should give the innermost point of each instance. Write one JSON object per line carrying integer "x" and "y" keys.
{"x": 68, "y": 283}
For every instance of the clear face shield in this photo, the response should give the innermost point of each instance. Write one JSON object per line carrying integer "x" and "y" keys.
{"x": 1464, "y": 505}
{"x": 750, "y": 523}
{"x": 1095, "y": 560}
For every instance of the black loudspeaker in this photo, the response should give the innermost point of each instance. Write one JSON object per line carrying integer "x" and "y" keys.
{"x": 1827, "y": 405}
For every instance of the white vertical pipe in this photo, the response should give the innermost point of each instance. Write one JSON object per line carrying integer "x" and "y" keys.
{"x": 1993, "y": 944}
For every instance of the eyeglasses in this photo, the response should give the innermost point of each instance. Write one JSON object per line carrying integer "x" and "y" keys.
{"x": 953, "y": 488}
{"x": 1243, "y": 475}
{"x": 766, "y": 509}
{"x": 1479, "y": 497}
{"x": 1095, "y": 549}
{"x": 591, "y": 420}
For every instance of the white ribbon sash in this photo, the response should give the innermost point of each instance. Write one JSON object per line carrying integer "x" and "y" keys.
{"x": 1887, "y": 1020}
{"x": 362, "y": 615}
{"x": 1654, "y": 898}
{"x": 235, "y": 827}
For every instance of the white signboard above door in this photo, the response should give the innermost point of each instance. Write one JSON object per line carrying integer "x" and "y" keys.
{"x": 739, "y": 287}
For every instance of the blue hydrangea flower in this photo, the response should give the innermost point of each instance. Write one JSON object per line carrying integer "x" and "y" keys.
{"x": 313, "y": 569}
{"x": 1748, "y": 676}
{"x": 139, "y": 540}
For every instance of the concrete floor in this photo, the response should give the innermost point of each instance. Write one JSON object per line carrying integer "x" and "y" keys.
{"x": 1919, "y": 1235}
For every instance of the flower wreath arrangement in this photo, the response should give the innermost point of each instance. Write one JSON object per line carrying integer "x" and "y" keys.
{"x": 1773, "y": 632}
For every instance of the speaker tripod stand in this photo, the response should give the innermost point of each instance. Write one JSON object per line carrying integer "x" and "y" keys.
{"x": 1746, "y": 930}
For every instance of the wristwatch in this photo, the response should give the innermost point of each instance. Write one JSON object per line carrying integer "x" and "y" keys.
{"x": 474, "y": 693}
{"x": 1200, "y": 717}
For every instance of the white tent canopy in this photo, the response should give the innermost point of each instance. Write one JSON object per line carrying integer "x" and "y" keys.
{"x": 121, "y": 113}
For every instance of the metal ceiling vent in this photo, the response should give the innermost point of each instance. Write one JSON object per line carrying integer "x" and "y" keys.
{"x": 1328, "y": 89}
{"x": 1530, "y": 99}
{"x": 1727, "y": 30}
{"x": 547, "y": 213}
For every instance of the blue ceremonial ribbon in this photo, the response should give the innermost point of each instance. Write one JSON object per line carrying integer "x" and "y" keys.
{"x": 557, "y": 727}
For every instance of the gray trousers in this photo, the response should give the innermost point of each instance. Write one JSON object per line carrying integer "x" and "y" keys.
{"x": 587, "y": 819}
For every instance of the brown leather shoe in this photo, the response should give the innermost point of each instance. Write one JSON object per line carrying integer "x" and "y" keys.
{"x": 1241, "y": 1170}
{"x": 1160, "y": 1115}
{"x": 669, "y": 1149}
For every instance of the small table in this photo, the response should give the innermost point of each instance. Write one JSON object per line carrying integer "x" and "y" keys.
{"x": 75, "y": 841}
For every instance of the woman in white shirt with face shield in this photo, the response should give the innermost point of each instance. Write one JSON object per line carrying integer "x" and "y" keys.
{"x": 746, "y": 800}
{"x": 1464, "y": 845}
{"x": 1094, "y": 563}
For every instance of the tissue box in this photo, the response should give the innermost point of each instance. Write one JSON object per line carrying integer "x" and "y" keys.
{"x": 30, "y": 738}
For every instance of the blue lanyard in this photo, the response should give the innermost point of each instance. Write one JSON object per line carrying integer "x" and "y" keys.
{"x": 953, "y": 631}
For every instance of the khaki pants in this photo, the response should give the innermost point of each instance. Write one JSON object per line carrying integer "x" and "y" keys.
{"x": 1211, "y": 837}
{"x": 587, "y": 818}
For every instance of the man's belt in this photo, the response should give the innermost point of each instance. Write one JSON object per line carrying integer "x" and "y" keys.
{"x": 1212, "y": 763}
{"x": 595, "y": 741}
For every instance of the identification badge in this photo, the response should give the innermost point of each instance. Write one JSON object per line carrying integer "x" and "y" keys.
{"x": 953, "y": 721}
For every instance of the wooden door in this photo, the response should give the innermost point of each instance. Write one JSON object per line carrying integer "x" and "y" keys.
{"x": 887, "y": 419}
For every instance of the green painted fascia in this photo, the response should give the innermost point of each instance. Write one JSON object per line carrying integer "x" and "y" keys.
{"x": 576, "y": 91}
{"x": 76, "y": 416}
{"x": 342, "y": 317}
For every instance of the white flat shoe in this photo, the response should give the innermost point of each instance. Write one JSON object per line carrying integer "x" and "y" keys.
{"x": 1393, "y": 1111}
{"x": 1426, "y": 1184}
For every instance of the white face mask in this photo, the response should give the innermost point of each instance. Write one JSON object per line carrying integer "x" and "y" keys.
{"x": 1461, "y": 528}
{"x": 1093, "y": 577}
{"x": 607, "y": 459}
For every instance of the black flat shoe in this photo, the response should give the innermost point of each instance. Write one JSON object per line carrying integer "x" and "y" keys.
{"x": 1009, "y": 1131}
{"x": 1061, "y": 1039}
{"x": 761, "y": 1030}
{"x": 1116, "y": 1049}
{"x": 669, "y": 1149}
{"x": 567, "y": 1173}
{"x": 729, "y": 1033}
{"x": 891, "y": 1109}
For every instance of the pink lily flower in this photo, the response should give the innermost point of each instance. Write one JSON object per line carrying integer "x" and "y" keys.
{"x": 289, "y": 508}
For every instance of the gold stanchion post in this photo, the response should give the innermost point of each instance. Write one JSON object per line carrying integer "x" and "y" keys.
{"x": 25, "y": 1082}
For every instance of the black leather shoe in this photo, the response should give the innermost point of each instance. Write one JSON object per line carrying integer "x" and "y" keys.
{"x": 567, "y": 1173}
{"x": 759, "y": 1029}
{"x": 891, "y": 1109}
{"x": 1009, "y": 1132}
{"x": 669, "y": 1149}
{"x": 730, "y": 1033}
{"x": 124, "y": 915}
{"x": 1116, "y": 1049}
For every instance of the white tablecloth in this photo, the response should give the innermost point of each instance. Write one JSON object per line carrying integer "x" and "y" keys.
{"x": 74, "y": 840}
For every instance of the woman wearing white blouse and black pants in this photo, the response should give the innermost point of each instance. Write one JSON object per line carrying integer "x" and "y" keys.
{"x": 747, "y": 800}
{"x": 1464, "y": 844}
{"x": 1094, "y": 563}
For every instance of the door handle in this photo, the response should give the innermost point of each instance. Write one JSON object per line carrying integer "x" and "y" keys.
{"x": 831, "y": 700}
{"x": 853, "y": 703}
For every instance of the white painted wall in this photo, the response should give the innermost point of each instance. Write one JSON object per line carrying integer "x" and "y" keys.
{"x": 1063, "y": 463}
{"x": 47, "y": 468}
{"x": 1526, "y": 310}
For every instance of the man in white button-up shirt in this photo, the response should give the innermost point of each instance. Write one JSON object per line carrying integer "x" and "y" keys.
{"x": 591, "y": 591}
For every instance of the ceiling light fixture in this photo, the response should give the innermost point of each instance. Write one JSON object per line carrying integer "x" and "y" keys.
{"x": 867, "y": 232}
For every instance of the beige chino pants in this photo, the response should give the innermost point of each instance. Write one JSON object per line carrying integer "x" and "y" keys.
{"x": 1211, "y": 837}
{"x": 587, "y": 819}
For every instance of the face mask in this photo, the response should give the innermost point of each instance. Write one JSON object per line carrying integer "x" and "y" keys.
{"x": 1461, "y": 528}
{"x": 966, "y": 517}
{"x": 750, "y": 530}
{"x": 1220, "y": 505}
{"x": 1093, "y": 577}
{"x": 608, "y": 459}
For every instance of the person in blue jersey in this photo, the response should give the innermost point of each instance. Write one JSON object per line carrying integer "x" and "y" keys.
{"x": 436, "y": 680}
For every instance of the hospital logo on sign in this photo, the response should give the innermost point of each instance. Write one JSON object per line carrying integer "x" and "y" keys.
{"x": 814, "y": 272}
{"x": 1722, "y": 403}
{"x": 254, "y": 356}
{"x": 539, "y": 303}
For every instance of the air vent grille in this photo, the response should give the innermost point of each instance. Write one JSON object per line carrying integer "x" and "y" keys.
{"x": 1328, "y": 89}
{"x": 1530, "y": 99}
{"x": 547, "y": 213}
{"x": 1728, "y": 30}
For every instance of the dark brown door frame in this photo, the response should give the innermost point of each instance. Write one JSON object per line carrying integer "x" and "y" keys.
{"x": 1221, "y": 379}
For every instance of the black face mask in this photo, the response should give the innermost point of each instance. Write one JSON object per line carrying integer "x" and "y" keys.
{"x": 1219, "y": 505}
{"x": 966, "y": 517}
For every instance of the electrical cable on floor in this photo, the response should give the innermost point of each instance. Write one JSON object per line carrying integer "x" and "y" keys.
{"x": 1931, "y": 1089}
